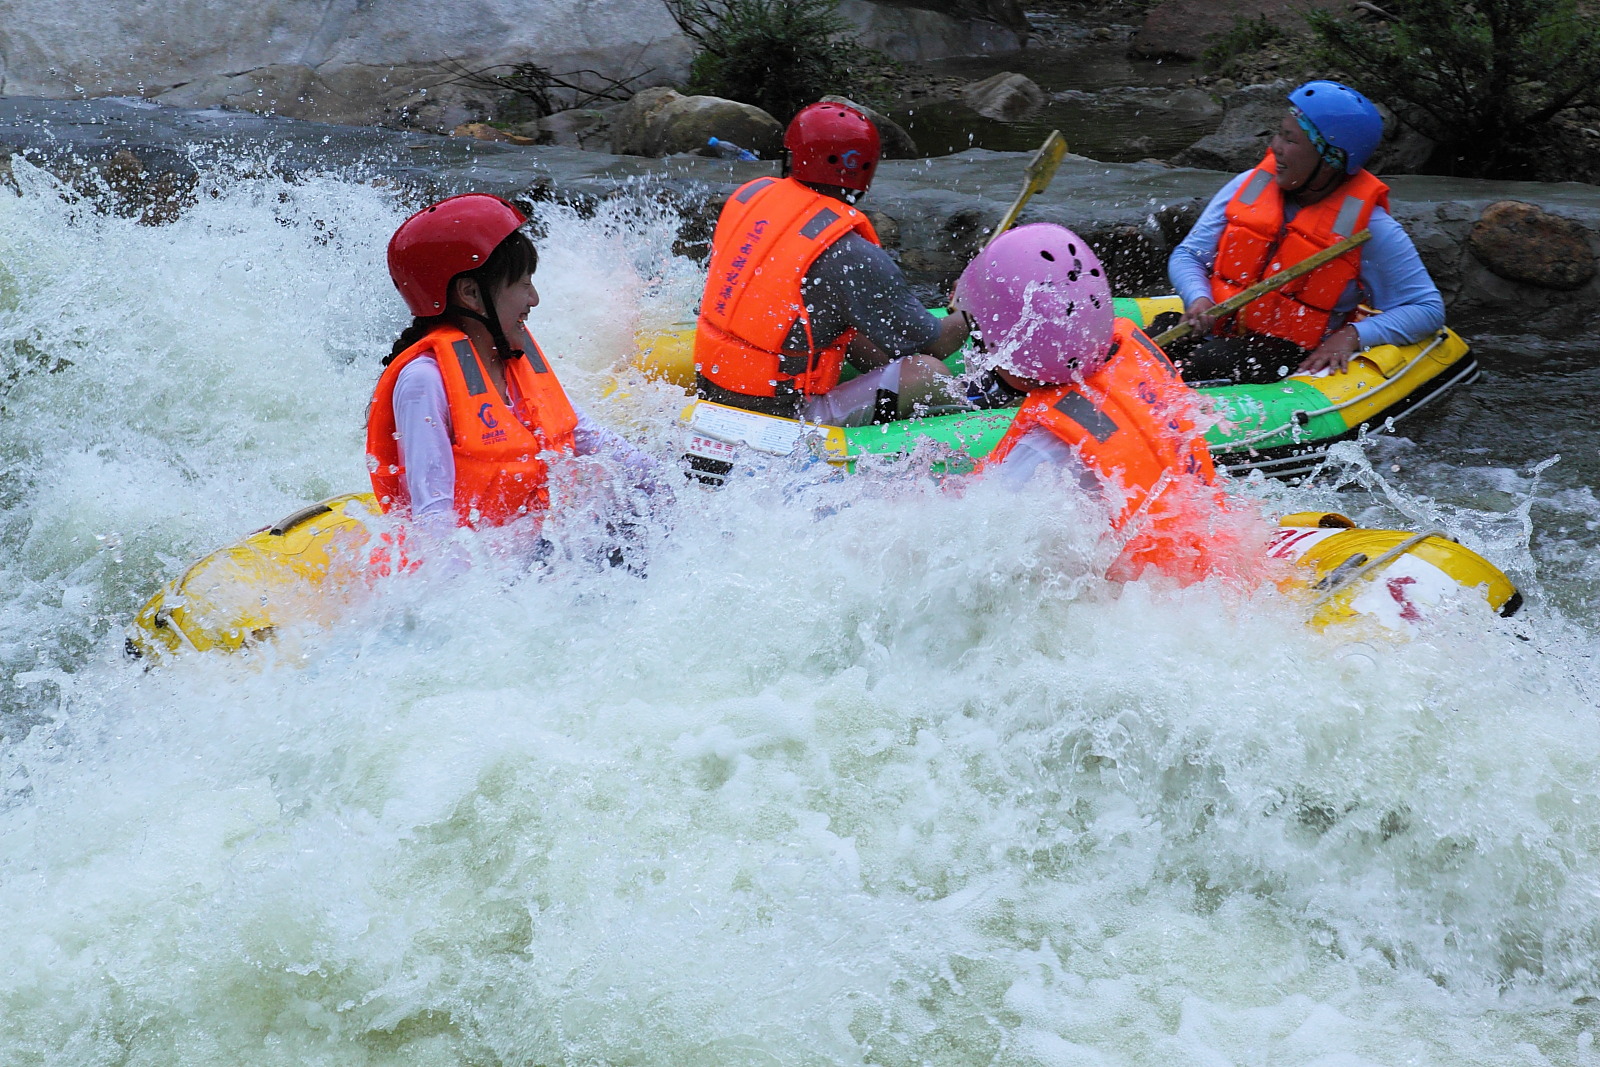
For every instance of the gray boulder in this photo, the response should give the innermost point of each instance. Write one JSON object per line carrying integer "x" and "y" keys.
{"x": 630, "y": 127}
{"x": 385, "y": 61}
{"x": 356, "y": 61}
{"x": 1251, "y": 117}
{"x": 1403, "y": 151}
{"x": 579, "y": 127}
{"x": 1524, "y": 243}
{"x": 897, "y": 143}
{"x": 661, "y": 121}
{"x": 915, "y": 34}
{"x": 1253, "y": 114}
{"x": 1006, "y": 97}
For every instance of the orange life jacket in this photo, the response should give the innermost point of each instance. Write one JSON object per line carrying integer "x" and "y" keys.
{"x": 1132, "y": 422}
{"x": 499, "y": 472}
{"x": 1256, "y": 244}
{"x": 770, "y": 232}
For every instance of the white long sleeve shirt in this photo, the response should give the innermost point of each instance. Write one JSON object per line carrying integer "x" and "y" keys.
{"x": 422, "y": 423}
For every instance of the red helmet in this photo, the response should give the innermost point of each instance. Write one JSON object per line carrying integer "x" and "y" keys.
{"x": 831, "y": 144}
{"x": 437, "y": 243}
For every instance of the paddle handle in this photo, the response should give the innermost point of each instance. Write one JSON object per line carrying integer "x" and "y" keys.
{"x": 1267, "y": 285}
{"x": 1040, "y": 171}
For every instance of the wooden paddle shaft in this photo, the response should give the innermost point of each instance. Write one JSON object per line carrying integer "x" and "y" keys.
{"x": 1267, "y": 285}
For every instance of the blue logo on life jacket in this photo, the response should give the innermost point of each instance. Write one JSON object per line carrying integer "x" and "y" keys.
{"x": 486, "y": 416}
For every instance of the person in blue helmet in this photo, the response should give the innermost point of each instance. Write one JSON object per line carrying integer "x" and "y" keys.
{"x": 1310, "y": 192}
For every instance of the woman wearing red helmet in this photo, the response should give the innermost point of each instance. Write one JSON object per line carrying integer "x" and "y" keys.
{"x": 468, "y": 410}
{"x": 798, "y": 285}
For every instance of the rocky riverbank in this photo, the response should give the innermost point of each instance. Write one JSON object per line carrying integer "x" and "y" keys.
{"x": 1508, "y": 271}
{"x": 398, "y": 62}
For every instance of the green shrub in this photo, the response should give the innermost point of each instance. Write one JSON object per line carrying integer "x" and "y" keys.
{"x": 1483, "y": 80}
{"x": 1244, "y": 37}
{"x": 779, "y": 55}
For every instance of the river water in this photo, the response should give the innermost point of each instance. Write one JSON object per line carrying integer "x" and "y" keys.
{"x": 865, "y": 771}
{"x": 1108, "y": 106}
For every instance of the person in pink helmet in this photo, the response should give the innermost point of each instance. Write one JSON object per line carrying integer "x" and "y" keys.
{"x": 1102, "y": 402}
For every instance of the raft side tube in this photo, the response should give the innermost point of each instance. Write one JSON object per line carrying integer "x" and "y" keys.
{"x": 1393, "y": 576}
{"x": 1283, "y": 429}
{"x": 301, "y": 568}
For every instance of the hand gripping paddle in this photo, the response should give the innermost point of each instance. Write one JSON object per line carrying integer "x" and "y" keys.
{"x": 1267, "y": 285}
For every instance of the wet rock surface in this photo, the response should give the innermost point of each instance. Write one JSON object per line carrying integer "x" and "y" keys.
{"x": 1524, "y": 243}
{"x": 659, "y": 122}
{"x": 1186, "y": 28}
{"x": 934, "y": 212}
{"x": 1006, "y": 97}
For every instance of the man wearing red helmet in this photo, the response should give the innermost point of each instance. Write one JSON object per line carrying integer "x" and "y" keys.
{"x": 468, "y": 410}
{"x": 799, "y": 285}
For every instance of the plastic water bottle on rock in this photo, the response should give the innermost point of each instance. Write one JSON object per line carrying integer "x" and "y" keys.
{"x": 728, "y": 150}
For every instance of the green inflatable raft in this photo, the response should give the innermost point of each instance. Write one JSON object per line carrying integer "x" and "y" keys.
{"x": 1283, "y": 429}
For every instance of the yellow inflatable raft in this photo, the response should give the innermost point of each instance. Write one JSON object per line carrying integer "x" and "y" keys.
{"x": 306, "y": 567}
{"x": 313, "y": 567}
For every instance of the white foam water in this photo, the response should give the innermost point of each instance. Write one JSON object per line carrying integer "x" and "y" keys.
{"x": 866, "y": 769}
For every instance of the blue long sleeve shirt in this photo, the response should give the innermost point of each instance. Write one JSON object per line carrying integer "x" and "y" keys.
{"x": 1392, "y": 276}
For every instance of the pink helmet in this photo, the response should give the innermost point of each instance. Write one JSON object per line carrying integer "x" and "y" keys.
{"x": 1040, "y": 303}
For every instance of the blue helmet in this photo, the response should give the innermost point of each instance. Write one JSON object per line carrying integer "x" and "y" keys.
{"x": 1344, "y": 125}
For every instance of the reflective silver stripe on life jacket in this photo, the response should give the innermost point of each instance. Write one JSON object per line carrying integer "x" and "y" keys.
{"x": 470, "y": 371}
{"x": 1349, "y": 211}
{"x": 1254, "y": 187}
{"x": 535, "y": 358}
{"x": 819, "y": 222}
{"x": 1151, "y": 347}
{"x": 744, "y": 195}
{"x": 1081, "y": 410}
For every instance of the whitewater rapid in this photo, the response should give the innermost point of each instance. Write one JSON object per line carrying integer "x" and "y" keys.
{"x": 866, "y": 770}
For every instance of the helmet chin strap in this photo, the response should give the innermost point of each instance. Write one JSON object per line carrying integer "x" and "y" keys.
{"x": 503, "y": 347}
{"x": 1311, "y": 187}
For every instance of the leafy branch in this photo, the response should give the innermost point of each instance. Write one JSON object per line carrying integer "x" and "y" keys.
{"x": 538, "y": 85}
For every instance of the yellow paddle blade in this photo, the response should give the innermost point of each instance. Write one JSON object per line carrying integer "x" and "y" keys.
{"x": 1040, "y": 171}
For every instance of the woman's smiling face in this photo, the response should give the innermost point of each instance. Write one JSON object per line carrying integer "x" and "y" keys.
{"x": 512, "y": 304}
{"x": 1296, "y": 156}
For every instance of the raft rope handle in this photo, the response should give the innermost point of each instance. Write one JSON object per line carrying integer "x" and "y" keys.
{"x": 289, "y": 522}
{"x": 1366, "y": 571}
{"x": 1294, "y": 417}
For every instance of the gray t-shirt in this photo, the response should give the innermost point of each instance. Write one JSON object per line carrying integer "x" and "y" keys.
{"x": 855, "y": 283}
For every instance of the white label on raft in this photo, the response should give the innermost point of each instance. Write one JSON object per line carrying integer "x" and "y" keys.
{"x": 1292, "y": 542}
{"x": 1403, "y": 592}
{"x": 765, "y": 433}
{"x": 1398, "y": 596}
{"x": 712, "y": 448}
